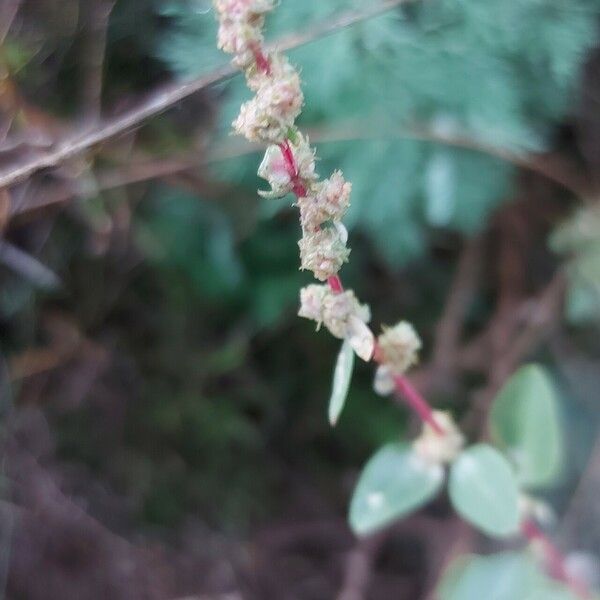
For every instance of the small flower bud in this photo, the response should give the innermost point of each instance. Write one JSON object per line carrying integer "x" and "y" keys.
{"x": 384, "y": 383}
{"x": 276, "y": 170}
{"x": 328, "y": 202}
{"x": 323, "y": 252}
{"x": 272, "y": 112}
{"x": 273, "y": 168}
{"x": 311, "y": 302}
{"x": 439, "y": 448}
{"x": 304, "y": 158}
{"x": 337, "y": 309}
{"x": 241, "y": 10}
{"x": 532, "y": 508}
{"x": 239, "y": 38}
{"x": 399, "y": 346}
{"x": 341, "y": 313}
{"x": 360, "y": 337}
{"x": 240, "y": 25}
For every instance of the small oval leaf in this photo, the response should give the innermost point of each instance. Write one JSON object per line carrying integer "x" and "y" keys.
{"x": 342, "y": 375}
{"x": 524, "y": 421}
{"x": 502, "y": 576}
{"x": 483, "y": 489}
{"x": 393, "y": 483}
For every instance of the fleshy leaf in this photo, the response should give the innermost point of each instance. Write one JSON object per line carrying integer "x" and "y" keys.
{"x": 393, "y": 483}
{"x": 483, "y": 489}
{"x": 342, "y": 375}
{"x": 525, "y": 421}
{"x": 503, "y": 576}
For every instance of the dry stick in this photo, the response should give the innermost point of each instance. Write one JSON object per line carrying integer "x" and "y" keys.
{"x": 159, "y": 168}
{"x": 447, "y": 332}
{"x": 8, "y": 12}
{"x": 97, "y": 14}
{"x": 28, "y": 267}
{"x": 163, "y": 99}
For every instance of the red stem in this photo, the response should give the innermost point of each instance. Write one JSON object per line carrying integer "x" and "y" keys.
{"x": 555, "y": 561}
{"x": 417, "y": 402}
{"x": 292, "y": 169}
{"x": 262, "y": 62}
{"x": 403, "y": 386}
{"x": 335, "y": 283}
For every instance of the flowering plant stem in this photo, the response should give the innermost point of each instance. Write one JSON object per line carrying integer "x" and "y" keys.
{"x": 289, "y": 166}
{"x": 403, "y": 386}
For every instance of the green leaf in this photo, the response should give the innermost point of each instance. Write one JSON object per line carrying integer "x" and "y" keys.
{"x": 582, "y": 304}
{"x": 483, "y": 489}
{"x": 394, "y": 483}
{"x": 525, "y": 421}
{"x": 342, "y": 375}
{"x": 552, "y": 591}
{"x": 503, "y": 576}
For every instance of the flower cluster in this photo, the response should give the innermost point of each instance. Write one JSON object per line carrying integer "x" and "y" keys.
{"x": 342, "y": 314}
{"x": 324, "y": 251}
{"x": 328, "y": 201}
{"x": 398, "y": 348}
{"x": 278, "y": 101}
{"x": 289, "y": 166}
{"x": 240, "y": 27}
{"x": 439, "y": 448}
{"x": 283, "y": 176}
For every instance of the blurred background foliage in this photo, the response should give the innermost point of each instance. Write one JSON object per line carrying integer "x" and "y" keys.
{"x": 157, "y": 370}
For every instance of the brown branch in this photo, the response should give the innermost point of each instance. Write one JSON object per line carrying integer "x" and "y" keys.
{"x": 8, "y": 12}
{"x": 169, "y": 95}
{"x": 96, "y": 15}
{"x": 447, "y": 333}
{"x": 159, "y": 168}
{"x": 27, "y": 266}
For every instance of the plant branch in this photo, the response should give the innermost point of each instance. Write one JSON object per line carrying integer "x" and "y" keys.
{"x": 169, "y": 95}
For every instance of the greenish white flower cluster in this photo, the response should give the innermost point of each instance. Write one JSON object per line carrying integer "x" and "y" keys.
{"x": 342, "y": 314}
{"x": 289, "y": 167}
{"x": 439, "y": 448}
{"x": 240, "y": 27}
{"x": 398, "y": 348}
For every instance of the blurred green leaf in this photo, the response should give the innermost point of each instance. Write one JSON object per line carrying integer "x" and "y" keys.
{"x": 483, "y": 489}
{"x": 499, "y": 76}
{"x": 184, "y": 232}
{"x": 342, "y": 375}
{"x": 525, "y": 422}
{"x": 583, "y": 293}
{"x": 394, "y": 483}
{"x": 502, "y": 576}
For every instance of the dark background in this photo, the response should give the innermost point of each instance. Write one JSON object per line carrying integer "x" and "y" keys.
{"x": 164, "y": 411}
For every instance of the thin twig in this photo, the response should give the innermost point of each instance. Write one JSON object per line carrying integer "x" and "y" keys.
{"x": 160, "y": 168}
{"x": 163, "y": 99}
{"x": 8, "y": 12}
{"x": 97, "y": 14}
{"x": 447, "y": 333}
{"x": 27, "y": 266}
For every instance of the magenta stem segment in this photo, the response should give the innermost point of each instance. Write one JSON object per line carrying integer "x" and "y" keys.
{"x": 555, "y": 561}
{"x": 292, "y": 169}
{"x": 417, "y": 402}
{"x": 335, "y": 284}
{"x": 403, "y": 386}
{"x": 262, "y": 62}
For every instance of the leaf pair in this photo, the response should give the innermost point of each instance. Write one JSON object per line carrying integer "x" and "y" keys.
{"x": 483, "y": 485}
{"x": 396, "y": 481}
{"x": 503, "y": 576}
